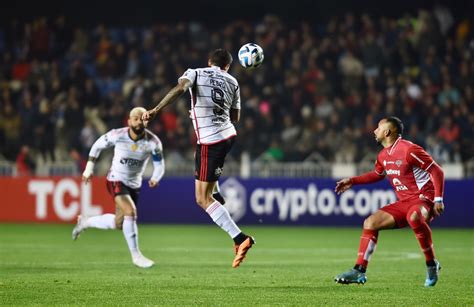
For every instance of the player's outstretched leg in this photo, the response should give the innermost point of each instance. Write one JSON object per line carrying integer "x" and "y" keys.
{"x": 368, "y": 242}
{"x": 417, "y": 221}
{"x": 130, "y": 232}
{"x": 104, "y": 221}
{"x": 127, "y": 218}
{"x": 220, "y": 216}
{"x": 242, "y": 242}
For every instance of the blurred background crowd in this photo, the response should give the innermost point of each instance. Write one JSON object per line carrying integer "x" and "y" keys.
{"x": 318, "y": 95}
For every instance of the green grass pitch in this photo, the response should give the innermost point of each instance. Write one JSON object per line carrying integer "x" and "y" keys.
{"x": 41, "y": 265}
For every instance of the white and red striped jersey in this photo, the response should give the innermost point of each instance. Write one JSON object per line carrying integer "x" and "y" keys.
{"x": 130, "y": 157}
{"x": 213, "y": 93}
{"x": 406, "y": 165}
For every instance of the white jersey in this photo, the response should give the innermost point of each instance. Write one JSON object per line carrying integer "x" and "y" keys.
{"x": 213, "y": 93}
{"x": 130, "y": 157}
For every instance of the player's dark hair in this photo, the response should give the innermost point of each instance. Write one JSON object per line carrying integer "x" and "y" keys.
{"x": 221, "y": 58}
{"x": 395, "y": 122}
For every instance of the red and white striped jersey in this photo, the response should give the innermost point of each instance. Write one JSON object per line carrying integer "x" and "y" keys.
{"x": 130, "y": 157}
{"x": 213, "y": 93}
{"x": 406, "y": 166}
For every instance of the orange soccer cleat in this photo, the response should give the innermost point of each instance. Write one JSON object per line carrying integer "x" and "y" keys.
{"x": 241, "y": 251}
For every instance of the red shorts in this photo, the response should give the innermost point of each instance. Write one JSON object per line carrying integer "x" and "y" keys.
{"x": 399, "y": 210}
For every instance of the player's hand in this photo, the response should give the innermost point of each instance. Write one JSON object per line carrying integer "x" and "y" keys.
{"x": 152, "y": 183}
{"x": 438, "y": 208}
{"x": 343, "y": 185}
{"x": 148, "y": 116}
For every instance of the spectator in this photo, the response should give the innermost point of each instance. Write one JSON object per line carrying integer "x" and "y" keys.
{"x": 25, "y": 164}
{"x": 317, "y": 80}
{"x": 10, "y": 124}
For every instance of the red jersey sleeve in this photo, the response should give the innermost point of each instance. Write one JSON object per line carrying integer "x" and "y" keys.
{"x": 379, "y": 169}
{"x": 370, "y": 177}
{"x": 418, "y": 157}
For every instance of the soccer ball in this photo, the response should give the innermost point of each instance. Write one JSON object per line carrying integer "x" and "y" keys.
{"x": 250, "y": 55}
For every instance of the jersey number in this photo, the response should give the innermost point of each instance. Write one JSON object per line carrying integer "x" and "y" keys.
{"x": 217, "y": 96}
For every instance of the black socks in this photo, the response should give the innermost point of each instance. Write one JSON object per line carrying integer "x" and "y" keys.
{"x": 240, "y": 238}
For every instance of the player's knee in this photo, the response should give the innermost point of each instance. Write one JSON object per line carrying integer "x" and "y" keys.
{"x": 200, "y": 200}
{"x": 130, "y": 212}
{"x": 413, "y": 216}
{"x": 370, "y": 223}
{"x": 203, "y": 200}
{"x": 118, "y": 224}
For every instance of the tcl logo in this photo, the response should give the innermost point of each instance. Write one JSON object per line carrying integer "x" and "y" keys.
{"x": 79, "y": 196}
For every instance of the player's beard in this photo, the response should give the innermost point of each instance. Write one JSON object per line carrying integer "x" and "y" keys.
{"x": 138, "y": 130}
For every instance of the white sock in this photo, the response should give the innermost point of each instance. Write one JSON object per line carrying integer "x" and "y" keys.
{"x": 221, "y": 217}
{"x": 130, "y": 232}
{"x": 104, "y": 221}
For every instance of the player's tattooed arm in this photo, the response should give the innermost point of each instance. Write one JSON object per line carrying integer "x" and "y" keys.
{"x": 171, "y": 97}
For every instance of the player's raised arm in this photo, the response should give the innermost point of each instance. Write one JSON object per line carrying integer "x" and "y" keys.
{"x": 158, "y": 165}
{"x": 182, "y": 86}
{"x": 105, "y": 141}
{"x": 376, "y": 175}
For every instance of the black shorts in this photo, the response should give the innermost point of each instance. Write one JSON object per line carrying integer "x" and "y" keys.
{"x": 118, "y": 188}
{"x": 209, "y": 160}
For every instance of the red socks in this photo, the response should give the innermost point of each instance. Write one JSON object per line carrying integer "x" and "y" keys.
{"x": 423, "y": 234}
{"x": 368, "y": 242}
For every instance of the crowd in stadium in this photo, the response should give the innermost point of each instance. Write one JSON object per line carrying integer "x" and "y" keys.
{"x": 318, "y": 95}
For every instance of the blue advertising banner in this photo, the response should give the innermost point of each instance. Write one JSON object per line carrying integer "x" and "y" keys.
{"x": 292, "y": 201}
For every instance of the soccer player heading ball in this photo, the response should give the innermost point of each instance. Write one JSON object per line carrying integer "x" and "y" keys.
{"x": 215, "y": 106}
{"x": 420, "y": 198}
{"x": 133, "y": 147}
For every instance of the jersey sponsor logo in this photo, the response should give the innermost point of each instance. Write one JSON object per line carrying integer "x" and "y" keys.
{"x": 385, "y": 163}
{"x": 131, "y": 162}
{"x": 398, "y": 185}
{"x": 393, "y": 172}
{"x": 218, "y": 83}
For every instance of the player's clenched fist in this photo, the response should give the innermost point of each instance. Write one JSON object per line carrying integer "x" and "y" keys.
{"x": 148, "y": 115}
{"x": 152, "y": 183}
{"x": 88, "y": 171}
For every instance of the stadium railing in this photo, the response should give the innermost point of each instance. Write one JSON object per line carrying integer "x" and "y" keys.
{"x": 244, "y": 169}
{"x": 8, "y": 168}
{"x": 63, "y": 168}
